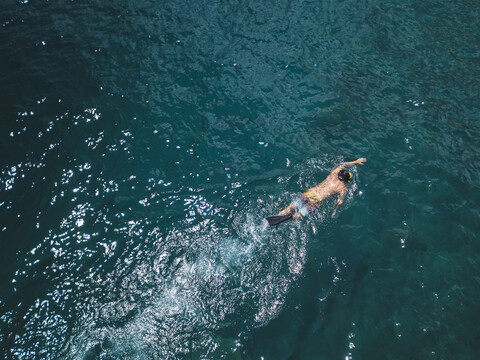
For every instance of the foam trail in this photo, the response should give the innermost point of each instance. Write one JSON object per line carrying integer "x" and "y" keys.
{"x": 253, "y": 231}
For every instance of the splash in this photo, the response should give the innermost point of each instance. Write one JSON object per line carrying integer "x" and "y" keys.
{"x": 194, "y": 299}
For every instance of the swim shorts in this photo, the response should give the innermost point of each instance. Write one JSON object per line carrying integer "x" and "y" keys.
{"x": 303, "y": 204}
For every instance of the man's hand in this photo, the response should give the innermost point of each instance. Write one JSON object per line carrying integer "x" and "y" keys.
{"x": 360, "y": 161}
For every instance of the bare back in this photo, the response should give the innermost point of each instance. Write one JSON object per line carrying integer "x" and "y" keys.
{"x": 328, "y": 187}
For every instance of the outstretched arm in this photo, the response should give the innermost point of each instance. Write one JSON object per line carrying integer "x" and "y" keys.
{"x": 359, "y": 161}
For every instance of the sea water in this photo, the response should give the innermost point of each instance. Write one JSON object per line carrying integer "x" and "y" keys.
{"x": 143, "y": 143}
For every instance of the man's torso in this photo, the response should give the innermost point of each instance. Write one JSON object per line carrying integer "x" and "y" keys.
{"x": 326, "y": 188}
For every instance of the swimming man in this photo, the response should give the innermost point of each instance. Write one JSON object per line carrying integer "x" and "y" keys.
{"x": 308, "y": 201}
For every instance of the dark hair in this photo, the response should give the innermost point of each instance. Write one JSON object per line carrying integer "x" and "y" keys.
{"x": 344, "y": 175}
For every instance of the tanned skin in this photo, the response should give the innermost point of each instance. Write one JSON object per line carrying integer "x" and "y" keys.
{"x": 332, "y": 185}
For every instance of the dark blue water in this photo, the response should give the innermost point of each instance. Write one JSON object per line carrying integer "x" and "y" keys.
{"x": 142, "y": 144}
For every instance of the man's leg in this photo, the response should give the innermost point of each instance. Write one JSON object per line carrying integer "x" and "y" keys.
{"x": 285, "y": 214}
{"x": 289, "y": 209}
{"x": 297, "y": 215}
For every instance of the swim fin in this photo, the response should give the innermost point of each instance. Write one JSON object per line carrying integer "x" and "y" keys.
{"x": 275, "y": 220}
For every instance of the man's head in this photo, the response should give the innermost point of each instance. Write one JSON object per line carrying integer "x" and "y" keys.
{"x": 344, "y": 175}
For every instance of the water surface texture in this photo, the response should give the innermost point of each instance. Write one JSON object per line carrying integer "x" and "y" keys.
{"x": 143, "y": 142}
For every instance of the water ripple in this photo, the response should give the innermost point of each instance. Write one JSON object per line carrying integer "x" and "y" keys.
{"x": 142, "y": 145}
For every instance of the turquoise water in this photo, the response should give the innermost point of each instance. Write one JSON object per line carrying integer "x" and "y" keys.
{"x": 142, "y": 144}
